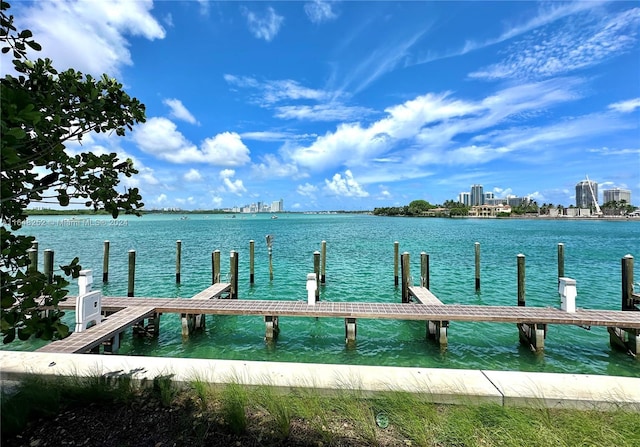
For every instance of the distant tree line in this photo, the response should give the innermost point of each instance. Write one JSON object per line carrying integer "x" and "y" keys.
{"x": 418, "y": 208}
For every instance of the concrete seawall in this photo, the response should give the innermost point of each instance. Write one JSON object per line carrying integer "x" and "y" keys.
{"x": 455, "y": 386}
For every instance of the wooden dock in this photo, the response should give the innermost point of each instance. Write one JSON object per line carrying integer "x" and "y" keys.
{"x": 126, "y": 312}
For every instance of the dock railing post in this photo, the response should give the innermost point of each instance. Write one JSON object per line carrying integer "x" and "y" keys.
{"x": 316, "y": 270}
{"x": 477, "y": 259}
{"x": 560, "y": 261}
{"x": 132, "y": 272}
{"x": 178, "y": 260}
{"x": 48, "y": 265}
{"x": 234, "y": 274}
{"x": 521, "y": 281}
{"x": 627, "y": 283}
{"x": 323, "y": 268}
{"x": 105, "y": 262}
{"x": 396, "y": 251}
{"x": 405, "y": 261}
{"x": 251, "y": 254}
{"x": 424, "y": 270}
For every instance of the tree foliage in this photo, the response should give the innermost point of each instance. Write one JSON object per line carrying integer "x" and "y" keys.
{"x": 42, "y": 110}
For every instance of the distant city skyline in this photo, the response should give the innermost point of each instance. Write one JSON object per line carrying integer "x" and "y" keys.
{"x": 357, "y": 105}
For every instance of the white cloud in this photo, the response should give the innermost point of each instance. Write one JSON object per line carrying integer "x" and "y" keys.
{"x": 323, "y": 112}
{"x": 547, "y": 53}
{"x": 319, "y": 11}
{"x": 274, "y": 91}
{"x": 626, "y": 106}
{"x": 346, "y": 186}
{"x": 272, "y": 167}
{"x": 193, "y": 175}
{"x": 95, "y": 33}
{"x": 179, "y": 111}
{"x": 263, "y": 26}
{"x": 225, "y": 149}
{"x": 160, "y": 137}
{"x": 162, "y": 198}
{"x": 217, "y": 201}
{"x": 307, "y": 190}
{"x": 433, "y": 129}
{"x": 230, "y": 185}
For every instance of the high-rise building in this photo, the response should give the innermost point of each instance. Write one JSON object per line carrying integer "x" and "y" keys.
{"x": 489, "y": 196}
{"x": 477, "y": 195}
{"x": 586, "y": 194}
{"x": 464, "y": 198}
{"x": 277, "y": 206}
{"x": 617, "y": 195}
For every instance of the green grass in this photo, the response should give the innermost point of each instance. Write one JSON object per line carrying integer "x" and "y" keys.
{"x": 274, "y": 417}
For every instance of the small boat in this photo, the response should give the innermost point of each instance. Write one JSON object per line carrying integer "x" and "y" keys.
{"x": 274, "y": 217}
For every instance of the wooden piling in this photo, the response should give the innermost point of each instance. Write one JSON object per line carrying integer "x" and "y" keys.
{"x": 251, "y": 254}
{"x": 316, "y": 270}
{"x": 269, "y": 238}
{"x": 105, "y": 262}
{"x": 627, "y": 283}
{"x": 404, "y": 260}
{"x": 560, "y": 261}
{"x": 323, "y": 268}
{"x": 132, "y": 272}
{"x": 233, "y": 294}
{"x": 48, "y": 265}
{"x": 424, "y": 270}
{"x": 477, "y": 251}
{"x": 33, "y": 257}
{"x": 215, "y": 266}
{"x": 396, "y": 251}
{"x": 521, "y": 281}
{"x": 33, "y": 260}
{"x": 178, "y": 260}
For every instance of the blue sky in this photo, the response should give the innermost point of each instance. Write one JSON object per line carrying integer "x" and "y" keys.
{"x": 356, "y": 105}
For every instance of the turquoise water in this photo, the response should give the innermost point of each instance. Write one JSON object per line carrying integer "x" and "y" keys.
{"x": 360, "y": 268}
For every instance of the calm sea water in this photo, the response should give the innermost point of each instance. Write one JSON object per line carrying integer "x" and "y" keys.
{"x": 360, "y": 268}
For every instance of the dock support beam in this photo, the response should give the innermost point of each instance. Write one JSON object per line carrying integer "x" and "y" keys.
{"x": 627, "y": 340}
{"x": 215, "y": 267}
{"x": 252, "y": 245}
{"x": 178, "y": 260}
{"x": 151, "y": 329}
{"x": 477, "y": 264}
{"x": 316, "y": 270}
{"x": 437, "y": 330}
{"x": 406, "y": 275}
{"x": 323, "y": 268}
{"x": 272, "y": 328}
{"x": 132, "y": 273}
{"x": 396, "y": 250}
{"x": 105, "y": 262}
{"x": 233, "y": 294}
{"x": 533, "y": 335}
{"x": 424, "y": 270}
{"x": 560, "y": 261}
{"x": 350, "y": 330}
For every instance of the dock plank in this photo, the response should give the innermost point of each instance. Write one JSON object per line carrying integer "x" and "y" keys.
{"x": 423, "y": 295}
{"x": 80, "y": 342}
{"x": 213, "y": 291}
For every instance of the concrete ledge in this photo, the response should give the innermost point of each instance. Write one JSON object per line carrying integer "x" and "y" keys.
{"x": 581, "y": 391}
{"x": 441, "y": 385}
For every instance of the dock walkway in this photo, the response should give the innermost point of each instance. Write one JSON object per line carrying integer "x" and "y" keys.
{"x": 85, "y": 341}
{"x": 394, "y": 311}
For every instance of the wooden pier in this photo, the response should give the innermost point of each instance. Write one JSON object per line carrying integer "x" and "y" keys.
{"x": 417, "y": 303}
{"x": 129, "y": 311}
